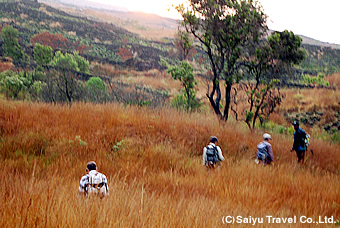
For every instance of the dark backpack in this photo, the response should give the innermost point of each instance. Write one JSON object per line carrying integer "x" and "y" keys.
{"x": 212, "y": 157}
{"x": 300, "y": 138}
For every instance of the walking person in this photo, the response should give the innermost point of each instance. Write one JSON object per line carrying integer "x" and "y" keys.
{"x": 299, "y": 144}
{"x": 93, "y": 182}
{"x": 212, "y": 154}
{"x": 265, "y": 151}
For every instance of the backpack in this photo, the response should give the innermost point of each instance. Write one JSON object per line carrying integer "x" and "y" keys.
{"x": 212, "y": 158}
{"x": 262, "y": 153}
{"x": 97, "y": 184}
{"x": 307, "y": 140}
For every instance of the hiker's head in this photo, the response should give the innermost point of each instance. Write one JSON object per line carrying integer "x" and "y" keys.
{"x": 296, "y": 125}
{"x": 213, "y": 139}
{"x": 91, "y": 166}
{"x": 267, "y": 136}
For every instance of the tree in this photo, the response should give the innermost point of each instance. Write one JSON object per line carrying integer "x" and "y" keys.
{"x": 286, "y": 49}
{"x": 15, "y": 85}
{"x": 223, "y": 27}
{"x": 9, "y": 36}
{"x": 265, "y": 62}
{"x": 42, "y": 54}
{"x": 83, "y": 64}
{"x": 61, "y": 87}
{"x": 183, "y": 43}
{"x": 71, "y": 62}
{"x": 184, "y": 72}
{"x": 64, "y": 85}
{"x": 66, "y": 62}
{"x": 286, "y": 46}
{"x": 96, "y": 89}
{"x": 263, "y": 98}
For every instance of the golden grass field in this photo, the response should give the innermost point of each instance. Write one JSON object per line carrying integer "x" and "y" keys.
{"x": 152, "y": 159}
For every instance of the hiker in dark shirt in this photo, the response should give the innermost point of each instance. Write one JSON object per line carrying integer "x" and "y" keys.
{"x": 299, "y": 142}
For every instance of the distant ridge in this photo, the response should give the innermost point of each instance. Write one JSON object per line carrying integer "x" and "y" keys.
{"x": 87, "y": 4}
{"x": 153, "y": 20}
{"x": 311, "y": 41}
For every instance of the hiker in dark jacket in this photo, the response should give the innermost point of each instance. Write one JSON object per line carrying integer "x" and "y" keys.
{"x": 299, "y": 142}
{"x": 212, "y": 154}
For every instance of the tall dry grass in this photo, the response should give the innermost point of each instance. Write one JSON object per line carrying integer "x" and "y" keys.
{"x": 305, "y": 100}
{"x": 152, "y": 159}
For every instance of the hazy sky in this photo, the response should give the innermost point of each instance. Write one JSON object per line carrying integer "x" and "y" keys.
{"x": 313, "y": 18}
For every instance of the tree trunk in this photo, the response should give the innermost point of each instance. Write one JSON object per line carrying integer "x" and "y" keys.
{"x": 227, "y": 102}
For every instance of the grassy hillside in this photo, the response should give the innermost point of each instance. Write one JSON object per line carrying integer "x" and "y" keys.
{"x": 152, "y": 158}
{"x": 151, "y": 153}
{"x": 101, "y": 41}
{"x": 321, "y": 56}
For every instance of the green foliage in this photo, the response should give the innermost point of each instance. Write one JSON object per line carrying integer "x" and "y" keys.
{"x": 83, "y": 64}
{"x": 100, "y": 51}
{"x": 65, "y": 61}
{"x": 36, "y": 89}
{"x": 13, "y": 85}
{"x": 184, "y": 43}
{"x": 77, "y": 141}
{"x": 276, "y": 128}
{"x": 9, "y": 36}
{"x": 262, "y": 101}
{"x": 312, "y": 80}
{"x": 222, "y": 28}
{"x": 286, "y": 47}
{"x": 278, "y": 54}
{"x": 71, "y": 62}
{"x": 321, "y": 59}
{"x": 249, "y": 115}
{"x": 116, "y": 148}
{"x": 96, "y": 83}
{"x": 20, "y": 85}
{"x": 335, "y": 137}
{"x": 179, "y": 101}
{"x": 96, "y": 89}
{"x": 42, "y": 54}
{"x": 184, "y": 73}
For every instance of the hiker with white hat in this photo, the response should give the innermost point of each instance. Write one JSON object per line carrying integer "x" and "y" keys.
{"x": 265, "y": 150}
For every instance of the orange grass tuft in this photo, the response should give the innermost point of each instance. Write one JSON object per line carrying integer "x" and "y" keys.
{"x": 152, "y": 159}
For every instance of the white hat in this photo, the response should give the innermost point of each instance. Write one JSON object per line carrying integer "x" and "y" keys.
{"x": 266, "y": 136}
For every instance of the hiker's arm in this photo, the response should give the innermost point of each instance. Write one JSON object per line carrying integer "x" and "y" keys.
{"x": 204, "y": 155}
{"x": 82, "y": 184}
{"x": 219, "y": 153}
{"x": 270, "y": 152}
{"x": 105, "y": 183}
{"x": 294, "y": 143}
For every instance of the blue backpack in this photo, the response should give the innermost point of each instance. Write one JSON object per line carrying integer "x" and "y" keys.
{"x": 262, "y": 153}
{"x": 212, "y": 157}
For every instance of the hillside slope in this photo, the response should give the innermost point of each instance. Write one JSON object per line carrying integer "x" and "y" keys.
{"x": 103, "y": 40}
{"x": 141, "y": 19}
{"x": 153, "y": 162}
{"x": 321, "y": 56}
